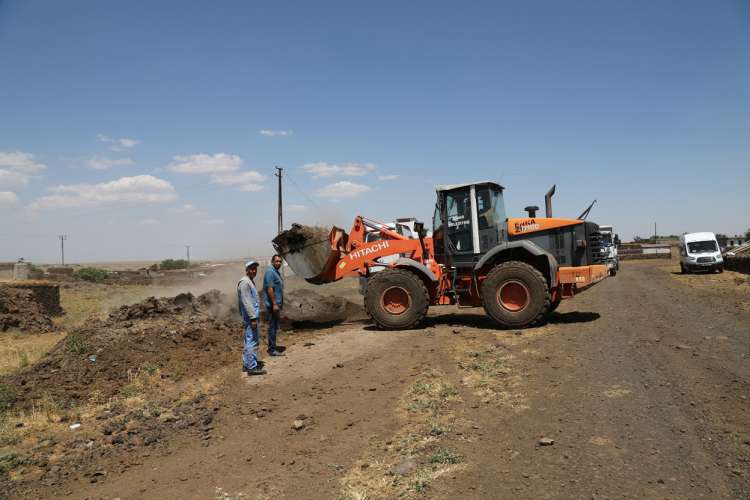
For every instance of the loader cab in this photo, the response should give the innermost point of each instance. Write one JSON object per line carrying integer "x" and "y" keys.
{"x": 469, "y": 220}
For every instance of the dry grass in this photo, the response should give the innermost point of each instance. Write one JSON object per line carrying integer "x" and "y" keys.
{"x": 427, "y": 413}
{"x": 487, "y": 371}
{"x": 19, "y": 350}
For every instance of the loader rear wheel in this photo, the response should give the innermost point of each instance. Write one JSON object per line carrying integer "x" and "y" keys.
{"x": 396, "y": 299}
{"x": 516, "y": 295}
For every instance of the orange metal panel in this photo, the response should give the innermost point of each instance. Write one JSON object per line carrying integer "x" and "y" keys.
{"x": 526, "y": 225}
{"x": 582, "y": 276}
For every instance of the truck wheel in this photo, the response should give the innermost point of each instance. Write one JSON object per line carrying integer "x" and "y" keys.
{"x": 682, "y": 268}
{"x": 721, "y": 269}
{"x": 396, "y": 299}
{"x": 515, "y": 294}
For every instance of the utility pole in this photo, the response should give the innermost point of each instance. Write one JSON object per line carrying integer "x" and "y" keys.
{"x": 62, "y": 237}
{"x": 279, "y": 173}
{"x": 654, "y": 231}
{"x": 187, "y": 247}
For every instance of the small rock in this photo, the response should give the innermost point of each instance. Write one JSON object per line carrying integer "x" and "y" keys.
{"x": 298, "y": 424}
{"x": 682, "y": 347}
{"x": 404, "y": 467}
{"x": 339, "y": 365}
{"x": 545, "y": 441}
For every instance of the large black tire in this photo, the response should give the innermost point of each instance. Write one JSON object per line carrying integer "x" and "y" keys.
{"x": 396, "y": 299}
{"x": 516, "y": 295}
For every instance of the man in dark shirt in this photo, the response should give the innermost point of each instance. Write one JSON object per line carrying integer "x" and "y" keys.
{"x": 273, "y": 290}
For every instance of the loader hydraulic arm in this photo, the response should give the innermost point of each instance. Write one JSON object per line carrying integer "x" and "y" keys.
{"x": 356, "y": 255}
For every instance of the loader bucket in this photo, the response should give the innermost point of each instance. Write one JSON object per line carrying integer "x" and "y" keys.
{"x": 310, "y": 251}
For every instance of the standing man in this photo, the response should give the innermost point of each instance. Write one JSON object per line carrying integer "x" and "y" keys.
{"x": 273, "y": 288}
{"x": 249, "y": 303}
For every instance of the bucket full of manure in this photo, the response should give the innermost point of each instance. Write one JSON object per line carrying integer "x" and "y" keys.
{"x": 309, "y": 251}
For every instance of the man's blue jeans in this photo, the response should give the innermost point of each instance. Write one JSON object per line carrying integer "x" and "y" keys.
{"x": 273, "y": 328}
{"x": 250, "y": 353}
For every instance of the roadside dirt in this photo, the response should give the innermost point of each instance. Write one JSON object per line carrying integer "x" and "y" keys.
{"x": 19, "y": 310}
{"x": 637, "y": 388}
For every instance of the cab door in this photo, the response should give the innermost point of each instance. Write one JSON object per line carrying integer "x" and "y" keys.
{"x": 460, "y": 217}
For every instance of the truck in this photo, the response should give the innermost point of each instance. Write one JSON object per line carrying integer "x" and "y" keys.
{"x": 609, "y": 243}
{"x": 518, "y": 269}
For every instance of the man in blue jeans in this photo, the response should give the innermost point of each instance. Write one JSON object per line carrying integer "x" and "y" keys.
{"x": 273, "y": 288}
{"x": 249, "y": 304}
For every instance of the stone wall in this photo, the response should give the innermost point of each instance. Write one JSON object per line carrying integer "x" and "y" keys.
{"x": 739, "y": 263}
{"x": 47, "y": 294}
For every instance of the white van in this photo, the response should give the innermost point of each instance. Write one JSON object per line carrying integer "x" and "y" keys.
{"x": 700, "y": 251}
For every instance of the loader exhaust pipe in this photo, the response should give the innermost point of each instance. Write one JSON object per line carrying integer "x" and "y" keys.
{"x": 548, "y": 201}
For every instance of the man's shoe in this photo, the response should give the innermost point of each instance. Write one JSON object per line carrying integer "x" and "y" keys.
{"x": 275, "y": 353}
{"x": 256, "y": 371}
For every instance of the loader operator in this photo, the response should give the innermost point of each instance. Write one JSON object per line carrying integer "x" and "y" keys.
{"x": 249, "y": 304}
{"x": 273, "y": 291}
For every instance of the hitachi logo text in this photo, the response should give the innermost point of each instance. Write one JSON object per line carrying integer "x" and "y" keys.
{"x": 358, "y": 254}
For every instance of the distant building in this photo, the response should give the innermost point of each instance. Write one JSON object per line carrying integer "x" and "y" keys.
{"x": 727, "y": 242}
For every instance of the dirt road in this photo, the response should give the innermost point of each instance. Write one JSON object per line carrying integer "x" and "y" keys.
{"x": 642, "y": 384}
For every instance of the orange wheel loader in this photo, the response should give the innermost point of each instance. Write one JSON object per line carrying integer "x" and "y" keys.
{"x": 518, "y": 269}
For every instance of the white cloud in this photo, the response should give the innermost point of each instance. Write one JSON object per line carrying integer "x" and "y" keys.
{"x": 391, "y": 177}
{"x": 296, "y": 208}
{"x": 214, "y": 222}
{"x": 205, "y": 164}
{"x": 7, "y": 197}
{"x": 9, "y": 178}
{"x": 275, "y": 133}
{"x": 103, "y": 163}
{"x": 120, "y": 144}
{"x": 244, "y": 181}
{"x": 343, "y": 189}
{"x": 324, "y": 169}
{"x": 20, "y": 162}
{"x": 17, "y": 168}
{"x": 138, "y": 189}
{"x": 148, "y": 222}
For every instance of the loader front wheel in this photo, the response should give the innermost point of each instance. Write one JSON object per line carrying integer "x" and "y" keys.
{"x": 396, "y": 299}
{"x": 516, "y": 295}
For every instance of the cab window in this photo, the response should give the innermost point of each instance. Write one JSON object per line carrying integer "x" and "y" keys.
{"x": 458, "y": 215}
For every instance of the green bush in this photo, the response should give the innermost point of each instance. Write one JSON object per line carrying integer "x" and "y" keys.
{"x": 76, "y": 344}
{"x": 90, "y": 274}
{"x": 36, "y": 272}
{"x": 174, "y": 264}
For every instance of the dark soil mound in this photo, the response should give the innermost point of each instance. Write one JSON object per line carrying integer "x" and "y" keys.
{"x": 177, "y": 336}
{"x": 310, "y": 307}
{"x": 20, "y": 309}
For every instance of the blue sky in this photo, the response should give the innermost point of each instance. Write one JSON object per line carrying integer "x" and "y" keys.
{"x": 139, "y": 127}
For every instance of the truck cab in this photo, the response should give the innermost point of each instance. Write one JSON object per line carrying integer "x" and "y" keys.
{"x": 700, "y": 252}
{"x": 609, "y": 242}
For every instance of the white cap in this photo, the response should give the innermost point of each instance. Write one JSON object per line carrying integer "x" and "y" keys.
{"x": 251, "y": 263}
